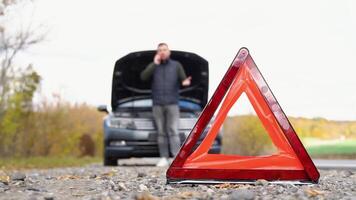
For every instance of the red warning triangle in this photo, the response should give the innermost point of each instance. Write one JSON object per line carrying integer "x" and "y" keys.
{"x": 290, "y": 163}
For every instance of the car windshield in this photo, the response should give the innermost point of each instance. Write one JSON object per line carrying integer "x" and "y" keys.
{"x": 144, "y": 103}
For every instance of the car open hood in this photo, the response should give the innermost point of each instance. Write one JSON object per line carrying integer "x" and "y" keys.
{"x": 127, "y": 85}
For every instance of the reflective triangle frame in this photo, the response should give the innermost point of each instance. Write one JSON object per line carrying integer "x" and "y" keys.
{"x": 291, "y": 164}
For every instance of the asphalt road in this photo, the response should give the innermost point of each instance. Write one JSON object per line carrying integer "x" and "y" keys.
{"x": 335, "y": 164}
{"x": 139, "y": 179}
{"x": 320, "y": 163}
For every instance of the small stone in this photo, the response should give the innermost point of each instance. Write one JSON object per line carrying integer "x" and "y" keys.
{"x": 262, "y": 182}
{"x": 280, "y": 190}
{"x": 4, "y": 178}
{"x": 105, "y": 195}
{"x": 293, "y": 189}
{"x": 203, "y": 187}
{"x": 242, "y": 194}
{"x": 18, "y": 176}
{"x": 49, "y": 197}
{"x": 153, "y": 180}
{"x": 347, "y": 173}
{"x": 19, "y": 184}
{"x": 113, "y": 186}
{"x": 3, "y": 187}
{"x": 32, "y": 198}
{"x": 35, "y": 189}
{"x": 122, "y": 187}
{"x": 301, "y": 195}
{"x": 145, "y": 196}
{"x": 50, "y": 178}
{"x": 168, "y": 187}
{"x": 142, "y": 187}
{"x": 92, "y": 176}
{"x": 141, "y": 174}
{"x": 210, "y": 191}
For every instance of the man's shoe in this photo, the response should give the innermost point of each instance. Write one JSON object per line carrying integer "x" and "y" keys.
{"x": 163, "y": 162}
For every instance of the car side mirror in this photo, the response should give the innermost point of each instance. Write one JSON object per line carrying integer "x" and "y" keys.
{"x": 103, "y": 108}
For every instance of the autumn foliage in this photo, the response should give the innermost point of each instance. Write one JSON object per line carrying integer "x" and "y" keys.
{"x": 245, "y": 135}
{"x": 56, "y": 128}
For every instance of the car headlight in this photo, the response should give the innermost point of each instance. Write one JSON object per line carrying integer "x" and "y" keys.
{"x": 122, "y": 123}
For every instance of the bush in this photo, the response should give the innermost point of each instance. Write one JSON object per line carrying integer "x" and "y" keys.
{"x": 56, "y": 129}
{"x": 245, "y": 135}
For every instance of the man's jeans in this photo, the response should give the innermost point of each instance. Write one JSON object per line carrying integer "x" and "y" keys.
{"x": 166, "y": 118}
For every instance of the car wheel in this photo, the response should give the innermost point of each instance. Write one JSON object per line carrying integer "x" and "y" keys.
{"x": 110, "y": 161}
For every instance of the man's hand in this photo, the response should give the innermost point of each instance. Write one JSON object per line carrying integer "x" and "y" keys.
{"x": 187, "y": 81}
{"x": 157, "y": 59}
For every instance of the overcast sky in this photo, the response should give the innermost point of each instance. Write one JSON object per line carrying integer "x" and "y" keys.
{"x": 305, "y": 49}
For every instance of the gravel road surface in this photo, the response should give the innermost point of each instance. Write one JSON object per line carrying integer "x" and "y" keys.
{"x": 148, "y": 182}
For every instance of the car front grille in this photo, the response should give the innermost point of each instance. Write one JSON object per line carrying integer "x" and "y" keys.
{"x": 148, "y": 124}
{"x": 144, "y": 124}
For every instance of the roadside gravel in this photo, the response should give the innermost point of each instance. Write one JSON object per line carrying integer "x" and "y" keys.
{"x": 146, "y": 182}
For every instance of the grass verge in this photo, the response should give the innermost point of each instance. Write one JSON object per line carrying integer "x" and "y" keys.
{"x": 15, "y": 163}
{"x": 340, "y": 149}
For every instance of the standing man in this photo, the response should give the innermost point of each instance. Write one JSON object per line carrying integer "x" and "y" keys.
{"x": 167, "y": 75}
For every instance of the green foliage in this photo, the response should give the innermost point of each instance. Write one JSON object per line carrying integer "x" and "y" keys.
{"x": 18, "y": 110}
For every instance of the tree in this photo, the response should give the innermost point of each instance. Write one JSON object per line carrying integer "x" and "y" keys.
{"x": 17, "y": 84}
{"x": 14, "y": 123}
{"x": 12, "y": 42}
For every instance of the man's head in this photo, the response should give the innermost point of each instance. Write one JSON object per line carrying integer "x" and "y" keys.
{"x": 163, "y": 51}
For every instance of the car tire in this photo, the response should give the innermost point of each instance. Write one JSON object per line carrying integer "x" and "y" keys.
{"x": 110, "y": 161}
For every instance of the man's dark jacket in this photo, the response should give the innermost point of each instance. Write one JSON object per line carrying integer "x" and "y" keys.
{"x": 167, "y": 77}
